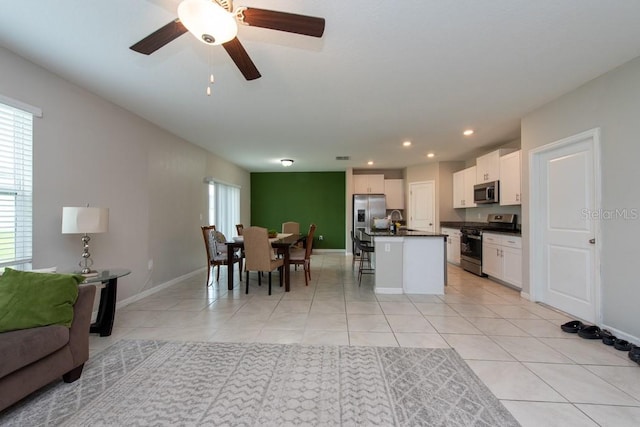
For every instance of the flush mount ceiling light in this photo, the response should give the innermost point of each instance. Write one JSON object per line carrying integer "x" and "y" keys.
{"x": 208, "y": 21}
{"x": 286, "y": 162}
{"x": 468, "y": 132}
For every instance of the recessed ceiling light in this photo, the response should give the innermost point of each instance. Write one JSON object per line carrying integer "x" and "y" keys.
{"x": 407, "y": 144}
{"x": 370, "y": 162}
{"x": 430, "y": 155}
{"x": 468, "y": 132}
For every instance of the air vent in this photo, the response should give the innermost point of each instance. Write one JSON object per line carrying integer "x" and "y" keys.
{"x": 343, "y": 157}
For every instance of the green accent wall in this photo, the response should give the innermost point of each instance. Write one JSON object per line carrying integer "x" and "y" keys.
{"x": 303, "y": 197}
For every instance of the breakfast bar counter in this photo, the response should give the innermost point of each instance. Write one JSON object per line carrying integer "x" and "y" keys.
{"x": 408, "y": 261}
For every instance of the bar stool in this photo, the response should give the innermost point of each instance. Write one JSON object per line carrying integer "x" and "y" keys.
{"x": 365, "y": 257}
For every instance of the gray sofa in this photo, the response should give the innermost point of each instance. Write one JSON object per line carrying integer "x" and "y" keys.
{"x": 33, "y": 358}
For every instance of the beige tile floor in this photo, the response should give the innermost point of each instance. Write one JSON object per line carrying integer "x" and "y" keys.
{"x": 544, "y": 376}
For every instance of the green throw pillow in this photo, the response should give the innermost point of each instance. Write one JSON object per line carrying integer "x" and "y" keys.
{"x": 29, "y": 300}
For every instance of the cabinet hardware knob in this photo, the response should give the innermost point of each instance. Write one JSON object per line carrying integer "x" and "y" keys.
{"x": 592, "y": 241}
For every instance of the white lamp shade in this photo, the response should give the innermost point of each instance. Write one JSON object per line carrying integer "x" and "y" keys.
{"x": 207, "y": 21}
{"x": 84, "y": 220}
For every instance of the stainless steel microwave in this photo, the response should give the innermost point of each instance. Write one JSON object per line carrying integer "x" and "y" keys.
{"x": 488, "y": 192}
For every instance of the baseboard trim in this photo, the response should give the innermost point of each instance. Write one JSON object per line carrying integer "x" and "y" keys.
{"x": 326, "y": 251}
{"x": 525, "y": 296}
{"x": 155, "y": 289}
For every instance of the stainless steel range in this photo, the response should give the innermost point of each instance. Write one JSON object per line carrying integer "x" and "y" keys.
{"x": 471, "y": 240}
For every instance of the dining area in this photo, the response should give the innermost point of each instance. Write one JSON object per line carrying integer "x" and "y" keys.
{"x": 259, "y": 250}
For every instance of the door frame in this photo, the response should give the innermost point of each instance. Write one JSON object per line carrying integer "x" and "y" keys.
{"x": 536, "y": 261}
{"x": 433, "y": 202}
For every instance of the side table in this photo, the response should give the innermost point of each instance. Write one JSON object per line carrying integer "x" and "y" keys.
{"x": 107, "y": 307}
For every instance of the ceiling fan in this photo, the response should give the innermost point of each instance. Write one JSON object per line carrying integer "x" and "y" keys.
{"x": 215, "y": 22}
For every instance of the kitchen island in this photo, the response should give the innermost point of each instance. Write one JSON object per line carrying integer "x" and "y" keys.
{"x": 409, "y": 261}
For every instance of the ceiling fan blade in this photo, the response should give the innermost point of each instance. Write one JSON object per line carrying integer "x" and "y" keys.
{"x": 240, "y": 56}
{"x": 282, "y": 21}
{"x": 159, "y": 38}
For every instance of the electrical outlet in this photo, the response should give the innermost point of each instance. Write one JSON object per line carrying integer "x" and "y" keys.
{"x": 321, "y": 237}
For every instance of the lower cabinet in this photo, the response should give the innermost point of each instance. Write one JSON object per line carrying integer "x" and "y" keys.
{"x": 502, "y": 257}
{"x": 453, "y": 244}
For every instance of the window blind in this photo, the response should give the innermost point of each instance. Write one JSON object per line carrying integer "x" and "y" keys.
{"x": 224, "y": 208}
{"x": 16, "y": 195}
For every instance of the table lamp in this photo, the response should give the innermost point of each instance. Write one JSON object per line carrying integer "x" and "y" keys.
{"x": 78, "y": 220}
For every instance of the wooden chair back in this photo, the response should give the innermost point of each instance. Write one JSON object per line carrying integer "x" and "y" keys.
{"x": 239, "y": 229}
{"x": 309, "y": 244}
{"x": 210, "y": 242}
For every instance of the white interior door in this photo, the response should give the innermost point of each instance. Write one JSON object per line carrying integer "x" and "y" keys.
{"x": 422, "y": 205}
{"x": 564, "y": 183}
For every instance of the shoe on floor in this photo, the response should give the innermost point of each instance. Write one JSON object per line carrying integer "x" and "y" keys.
{"x": 572, "y": 327}
{"x": 634, "y": 354}
{"x": 608, "y": 338}
{"x": 623, "y": 345}
{"x": 590, "y": 333}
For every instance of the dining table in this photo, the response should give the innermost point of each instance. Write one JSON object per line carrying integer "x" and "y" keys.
{"x": 282, "y": 244}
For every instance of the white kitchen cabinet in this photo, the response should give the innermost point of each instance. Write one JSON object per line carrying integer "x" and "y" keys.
{"x": 453, "y": 244}
{"x": 368, "y": 184}
{"x": 463, "y": 182}
{"x": 488, "y": 166}
{"x": 512, "y": 266}
{"x": 491, "y": 259}
{"x": 502, "y": 257}
{"x": 394, "y": 192}
{"x": 510, "y": 178}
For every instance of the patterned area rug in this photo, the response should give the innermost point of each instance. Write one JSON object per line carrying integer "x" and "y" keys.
{"x": 138, "y": 382}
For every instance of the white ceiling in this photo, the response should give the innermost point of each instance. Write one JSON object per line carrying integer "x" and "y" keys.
{"x": 385, "y": 71}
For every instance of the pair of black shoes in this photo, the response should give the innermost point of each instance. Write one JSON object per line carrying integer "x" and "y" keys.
{"x": 587, "y": 332}
{"x": 619, "y": 344}
{"x": 594, "y": 332}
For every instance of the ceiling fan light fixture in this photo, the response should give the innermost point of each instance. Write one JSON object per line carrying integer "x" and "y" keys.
{"x": 208, "y": 21}
{"x": 286, "y": 162}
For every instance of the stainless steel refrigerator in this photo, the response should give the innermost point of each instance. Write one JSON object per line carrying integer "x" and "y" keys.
{"x": 366, "y": 207}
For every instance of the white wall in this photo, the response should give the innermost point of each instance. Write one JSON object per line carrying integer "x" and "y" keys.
{"x": 611, "y": 102}
{"x": 87, "y": 150}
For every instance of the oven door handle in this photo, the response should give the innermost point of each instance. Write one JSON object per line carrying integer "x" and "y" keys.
{"x": 471, "y": 236}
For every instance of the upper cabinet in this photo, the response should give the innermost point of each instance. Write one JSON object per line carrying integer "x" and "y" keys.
{"x": 368, "y": 184}
{"x": 394, "y": 190}
{"x": 510, "y": 179}
{"x": 463, "y": 182}
{"x": 488, "y": 166}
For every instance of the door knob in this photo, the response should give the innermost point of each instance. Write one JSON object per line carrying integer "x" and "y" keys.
{"x": 592, "y": 241}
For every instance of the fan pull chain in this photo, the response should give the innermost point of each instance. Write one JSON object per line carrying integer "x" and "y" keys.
{"x": 211, "y": 79}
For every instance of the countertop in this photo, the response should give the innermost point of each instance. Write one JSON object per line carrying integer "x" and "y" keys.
{"x": 481, "y": 225}
{"x": 401, "y": 233}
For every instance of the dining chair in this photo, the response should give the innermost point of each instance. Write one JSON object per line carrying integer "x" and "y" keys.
{"x": 291, "y": 227}
{"x": 365, "y": 257}
{"x": 239, "y": 229}
{"x": 303, "y": 256}
{"x": 217, "y": 251}
{"x": 259, "y": 255}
